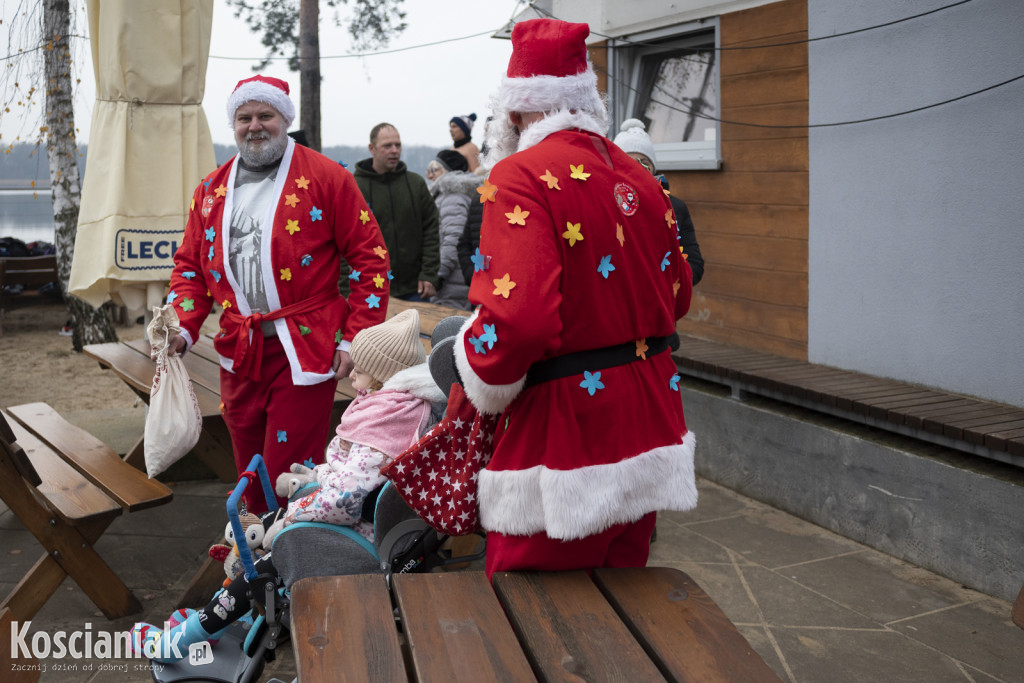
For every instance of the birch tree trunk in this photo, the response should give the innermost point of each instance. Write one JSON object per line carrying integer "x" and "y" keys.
{"x": 89, "y": 325}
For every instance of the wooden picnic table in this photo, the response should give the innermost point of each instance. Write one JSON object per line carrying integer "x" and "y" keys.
{"x": 646, "y": 624}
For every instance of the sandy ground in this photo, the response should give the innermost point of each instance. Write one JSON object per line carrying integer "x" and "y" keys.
{"x": 37, "y": 364}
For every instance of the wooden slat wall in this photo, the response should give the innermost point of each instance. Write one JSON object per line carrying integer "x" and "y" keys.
{"x": 751, "y": 216}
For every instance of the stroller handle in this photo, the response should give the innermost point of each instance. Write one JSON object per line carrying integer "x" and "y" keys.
{"x": 256, "y": 466}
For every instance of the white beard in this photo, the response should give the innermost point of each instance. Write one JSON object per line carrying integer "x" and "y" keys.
{"x": 257, "y": 156}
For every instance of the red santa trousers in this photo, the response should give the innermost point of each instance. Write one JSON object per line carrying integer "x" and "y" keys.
{"x": 283, "y": 422}
{"x": 623, "y": 545}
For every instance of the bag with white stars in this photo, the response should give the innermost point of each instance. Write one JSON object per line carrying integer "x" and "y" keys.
{"x": 438, "y": 476}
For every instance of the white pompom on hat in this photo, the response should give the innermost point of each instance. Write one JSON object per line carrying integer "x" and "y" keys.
{"x": 465, "y": 123}
{"x": 633, "y": 139}
{"x": 392, "y": 346}
{"x": 273, "y": 91}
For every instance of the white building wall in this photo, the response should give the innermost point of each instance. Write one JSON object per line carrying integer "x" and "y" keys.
{"x": 917, "y": 222}
{"x": 621, "y": 17}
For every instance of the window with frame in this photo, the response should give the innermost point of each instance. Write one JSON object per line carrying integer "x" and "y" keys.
{"x": 669, "y": 79}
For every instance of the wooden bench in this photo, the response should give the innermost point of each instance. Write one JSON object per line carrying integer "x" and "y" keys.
{"x": 984, "y": 428}
{"x": 31, "y": 272}
{"x": 648, "y": 624}
{"x": 66, "y": 487}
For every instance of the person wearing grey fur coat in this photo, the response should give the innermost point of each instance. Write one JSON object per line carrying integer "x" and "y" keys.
{"x": 453, "y": 191}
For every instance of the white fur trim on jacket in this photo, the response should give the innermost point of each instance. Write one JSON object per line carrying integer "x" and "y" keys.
{"x": 562, "y": 120}
{"x": 490, "y": 399}
{"x": 571, "y": 504}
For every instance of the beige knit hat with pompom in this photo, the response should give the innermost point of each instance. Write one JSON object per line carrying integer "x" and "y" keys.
{"x": 385, "y": 349}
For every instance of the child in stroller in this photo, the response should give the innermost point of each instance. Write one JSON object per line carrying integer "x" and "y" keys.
{"x": 398, "y": 400}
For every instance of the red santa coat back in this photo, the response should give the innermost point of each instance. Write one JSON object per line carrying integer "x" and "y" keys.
{"x": 319, "y": 215}
{"x": 577, "y": 252}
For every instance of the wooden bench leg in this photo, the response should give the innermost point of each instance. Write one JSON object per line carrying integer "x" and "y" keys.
{"x": 214, "y": 442}
{"x": 67, "y": 546}
{"x": 136, "y": 457}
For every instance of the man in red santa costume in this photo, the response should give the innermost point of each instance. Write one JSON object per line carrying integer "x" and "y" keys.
{"x": 579, "y": 282}
{"x": 263, "y": 240}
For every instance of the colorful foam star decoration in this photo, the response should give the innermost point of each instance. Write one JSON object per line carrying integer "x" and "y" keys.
{"x": 303, "y": 330}
{"x": 573, "y": 233}
{"x": 302, "y": 182}
{"x": 206, "y": 183}
{"x": 504, "y": 286}
{"x": 675, "y": 287}
{"x": 673, "y": 382}
{"x": 221, "y": 191}
{"x": 337, "y": 336}
{"x": 379, "y": 280}
{"x": 354, "y": 275}
{"x": 592, "y": 382}
{"x": 291, "y": 200}
{"x": 209, "y": 256}
{"x": 286, "y": 274}
{"x": 364, "y": 216}
{"x": 216, "y": 275}
{"x": 189, "y": 274}
{"x": 480, "y": 262}
{"x": 192, "y": 206}
{"x": 641, "y": 349}
{"x": 171, "y": 296}
{"x": 316, "y": 214}
{"x": 490, "y": 337}
{"x": 478, "y": 345}
{"x": 605, "y": 266}
{"x": 620, "y": 235}
{"x": 487, "y": 191}
{"x": 390, "y": 276}
{"x": 669, "y": 218}
{"x": 282, "y": 436}
{"x": 306, "y": 260}
{"x": 225, "y": 304}
{"x": 373, "y": 301}
{"x": 309, "y": 463}
{"x": 517, "y": 216}
{"x": 292, "y": 226}
{"x": 665, "y": 261}
{"x": 577, "y": 172}
{"x": 380, "y": 251}
{"x": 220, "y": 407}
{"x": 188, "y": 304}
{"x": 551, "y": 180}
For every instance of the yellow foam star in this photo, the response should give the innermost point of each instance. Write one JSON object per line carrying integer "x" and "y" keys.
{"x": 517, "y": 217}
{"x": 619, "y": 235}
{"x": 642, "y": 348}
{"x": 573, "y": 233}
{"x": 380, "y": 251}
{"x": 291, "y": 200}
{"x": 551, "y": 180}
{"x": 286, "y": 273}
{"x": 221, "y": 191}
{"x": 503, "y": 286}
{"x": 379, "y": 281}
{"x": 193, "y": 207}
{"x": 302, "y": 182}
{"x": 292, "y": 227}
{"x": 487, "y": 191}
{"x": 577, "y": 172}
{"x": 364, "y": 216}
{"x": 225, "y": 304}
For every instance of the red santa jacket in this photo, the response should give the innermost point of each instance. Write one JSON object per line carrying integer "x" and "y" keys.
{"x": 578, "y": 251}
{"x": 320, "y": 215}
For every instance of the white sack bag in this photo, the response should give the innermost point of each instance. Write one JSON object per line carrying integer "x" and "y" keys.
{"x": 174, "y": 420}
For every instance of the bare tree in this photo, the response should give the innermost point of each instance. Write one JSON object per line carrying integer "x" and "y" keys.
{"x": 292, "y": 28}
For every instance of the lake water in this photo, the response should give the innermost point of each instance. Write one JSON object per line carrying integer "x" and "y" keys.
{"x": 26, "y": 215}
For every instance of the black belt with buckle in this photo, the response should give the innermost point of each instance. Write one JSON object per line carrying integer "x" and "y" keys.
{"x": 596, "y": 359}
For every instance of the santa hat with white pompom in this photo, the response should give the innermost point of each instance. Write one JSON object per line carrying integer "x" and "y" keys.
{"x": 273, "y": 91}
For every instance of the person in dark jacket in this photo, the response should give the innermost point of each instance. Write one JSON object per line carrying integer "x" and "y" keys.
{"x": 634, "y": 141}
{"x": 406, "y": 213}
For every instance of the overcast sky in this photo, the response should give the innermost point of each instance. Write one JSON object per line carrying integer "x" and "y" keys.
{"x": 418, "y": 90}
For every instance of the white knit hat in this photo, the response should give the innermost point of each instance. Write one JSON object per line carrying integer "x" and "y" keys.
{"x": 394, "y": 345}
{"x": 634, "y": 140}
{"x": 259, "y": 88}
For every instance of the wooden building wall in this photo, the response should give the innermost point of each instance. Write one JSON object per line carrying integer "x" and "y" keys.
{"x": 751, "y": 215}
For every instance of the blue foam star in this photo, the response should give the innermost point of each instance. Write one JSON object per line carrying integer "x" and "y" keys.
{"x": 373, "y": 301}
{"x": 390, "y": 276}
{"x": 206, "y": 183}
{"x": 354, "y": 275}
{"x": 664, "y": 261}
{"x": 591, "y": 382}
{"x": 606, "y": 266}
{"x": 480, "y": 262}
{"x": 211, "y": 234}
{"x": 171, "y": 296}
{"x": 309, "y": 463}
{"x": 316, "y": 214}
{"x": 306, "y": 260}
{"x": 188, "y": 274}
{"x": 674, "y": 382}
{"x": 216, "y": 275}
{"x": 210, "y": 257}
{"x": 282, "y": 435}
{"x": 489, "y": 336}
{"x": 478, "y": 345}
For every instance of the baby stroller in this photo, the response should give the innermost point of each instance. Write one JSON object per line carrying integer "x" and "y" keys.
{"x": 402, "y": 543}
